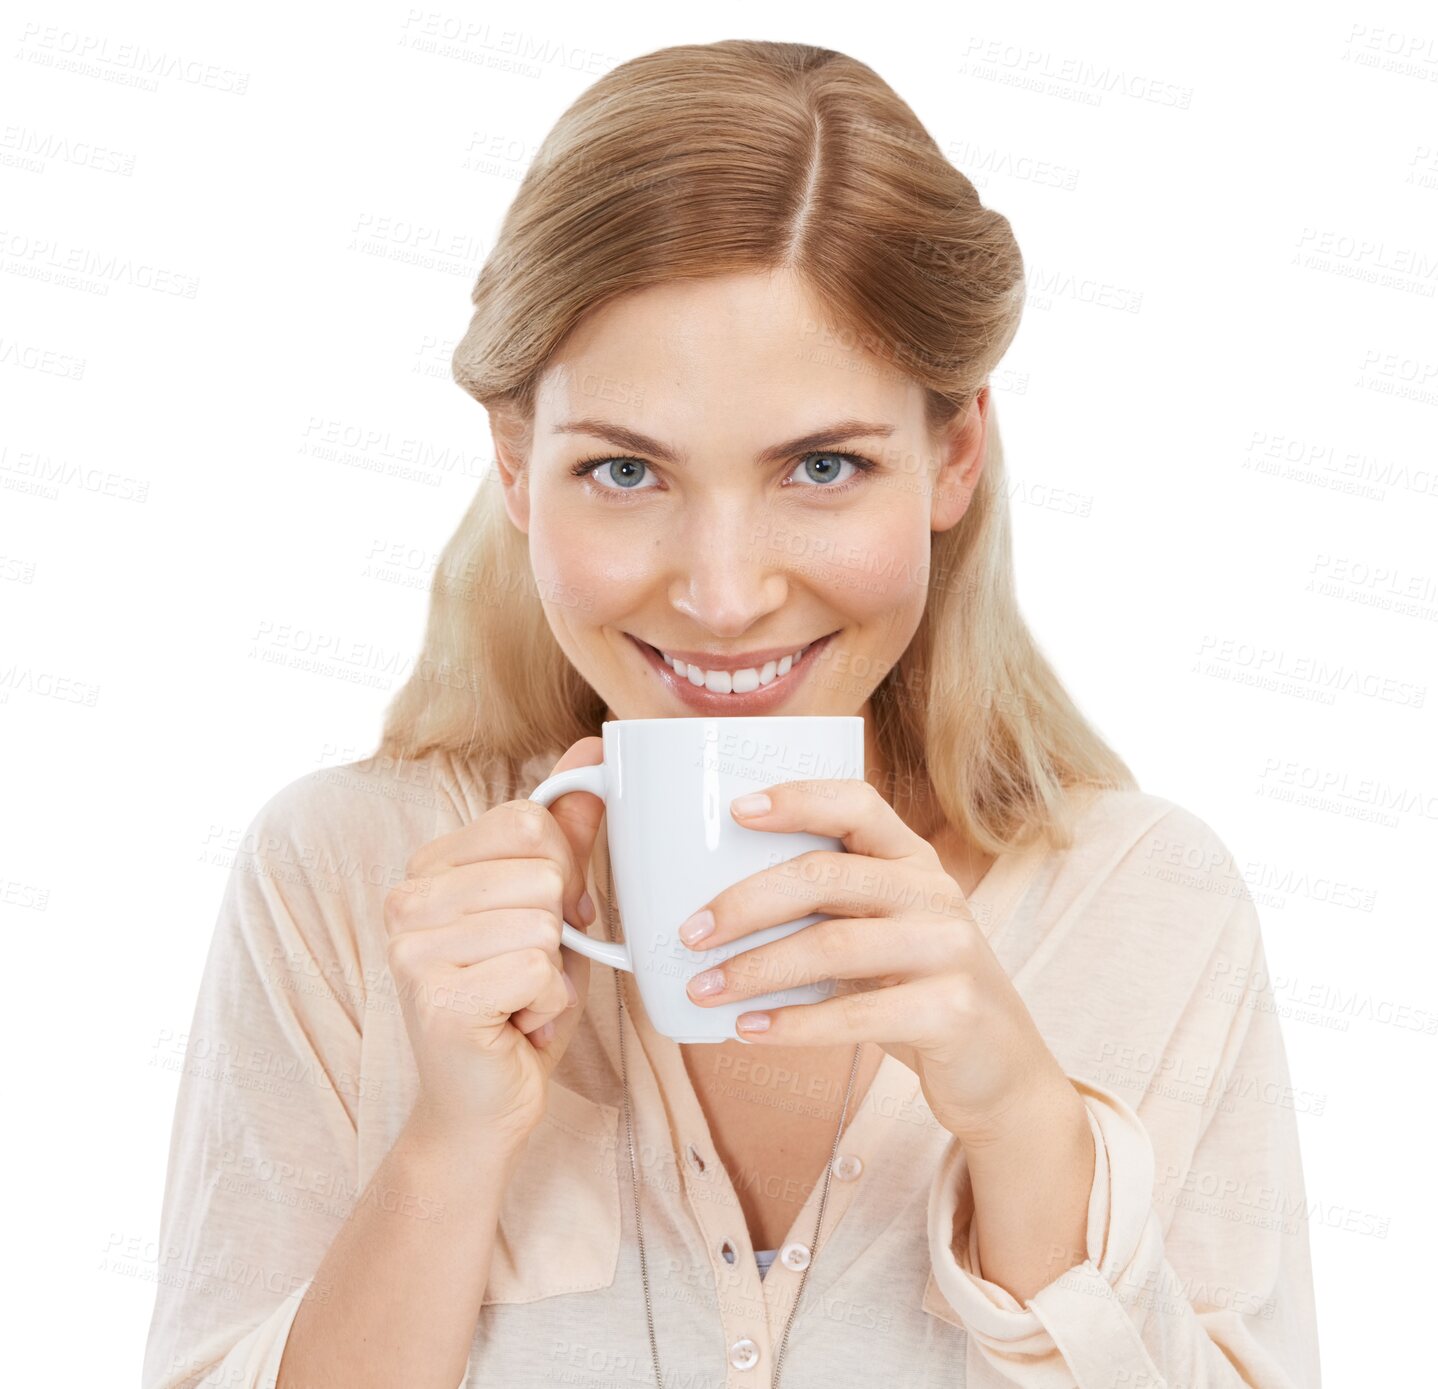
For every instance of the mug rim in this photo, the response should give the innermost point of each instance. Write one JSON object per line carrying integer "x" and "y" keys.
{"x": 734, "y": 718}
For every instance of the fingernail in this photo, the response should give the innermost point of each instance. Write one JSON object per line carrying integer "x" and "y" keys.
{"x": 697, "y": 927}
{"x": 755, "y": 804}
{"x": 752, "y": 1022}
{"x": 542, "y": 1034}
{"x": 573, "y": 992}
{"x": 710, "y": 982}
{"x": 586, "y": 910}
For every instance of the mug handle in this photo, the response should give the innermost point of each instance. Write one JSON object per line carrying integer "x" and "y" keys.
{"x": 591, "y": 779}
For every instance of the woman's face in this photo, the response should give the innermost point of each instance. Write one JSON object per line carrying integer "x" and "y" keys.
{"x": 766, "y": 487}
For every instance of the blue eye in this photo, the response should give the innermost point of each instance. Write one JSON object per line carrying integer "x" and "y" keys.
{"x": 624, "y": 472}
{"x": 588, "y": 465}
{"x": 860, "y": 465}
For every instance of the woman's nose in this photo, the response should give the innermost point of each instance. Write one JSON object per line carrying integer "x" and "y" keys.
{"x": 727, "y": 581}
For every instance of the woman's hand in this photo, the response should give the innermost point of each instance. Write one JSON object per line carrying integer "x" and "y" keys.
{"x": 489, "y": 995}
{"x": 933, "y": 993}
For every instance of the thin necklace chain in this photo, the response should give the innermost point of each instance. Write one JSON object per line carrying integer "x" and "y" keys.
{"x": 634, "y": 1172}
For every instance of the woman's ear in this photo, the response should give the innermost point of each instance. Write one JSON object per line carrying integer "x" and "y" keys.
{"x": 960, "y": 463}
{"x": 514, "y": 478}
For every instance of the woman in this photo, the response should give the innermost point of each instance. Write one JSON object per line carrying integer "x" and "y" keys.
{"x": 734, "y": 341}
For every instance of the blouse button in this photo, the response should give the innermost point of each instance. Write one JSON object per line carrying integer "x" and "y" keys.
{"x": 847, "y": 1167}
{"x": 744, "y": 1354}
{"x": 795, "y": 1256}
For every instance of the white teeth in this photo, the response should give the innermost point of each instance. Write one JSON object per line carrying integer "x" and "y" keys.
{"x": 734, "y": 681}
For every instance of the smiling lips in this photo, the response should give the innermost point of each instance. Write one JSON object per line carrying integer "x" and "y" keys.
{"x": 740, "y": 681}
{"x": 715, "y": 689}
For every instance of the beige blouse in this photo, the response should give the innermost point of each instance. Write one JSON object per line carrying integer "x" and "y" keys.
{"x": 1138, "y": 951}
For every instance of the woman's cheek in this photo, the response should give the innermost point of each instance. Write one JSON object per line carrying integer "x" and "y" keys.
{"x": 873, "y": 570}
{"x": 580, "y": 573}
{"x": 875, "y": 582}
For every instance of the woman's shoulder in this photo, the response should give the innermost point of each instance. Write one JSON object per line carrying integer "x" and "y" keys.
{"x": 1146, "y": 905}
{"x": 343, "y": 835}
{"x": 1153, "y": 852}
{"x": 1126, "y": 819}
{"x": 326, "y": 846}
{"x": 427, "y": 794}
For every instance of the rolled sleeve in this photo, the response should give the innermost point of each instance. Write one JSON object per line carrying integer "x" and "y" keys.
{"x": 1214, "y": 1298}
{"x": 1076, "y": 1325}
{"x": 255, "y": 1359}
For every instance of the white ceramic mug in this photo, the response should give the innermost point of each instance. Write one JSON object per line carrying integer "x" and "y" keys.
{"x": 673, "y": 845}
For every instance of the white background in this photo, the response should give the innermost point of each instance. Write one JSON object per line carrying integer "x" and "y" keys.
{"x": 1219, "y": 417}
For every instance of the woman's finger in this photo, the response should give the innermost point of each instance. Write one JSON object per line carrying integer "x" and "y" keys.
{"x": 836, "y": 884}
{"x": 849, "y": 809}
{"x": 871, "y": 948}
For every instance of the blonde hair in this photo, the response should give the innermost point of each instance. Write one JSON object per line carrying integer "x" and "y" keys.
{"x": 747, "y": 156}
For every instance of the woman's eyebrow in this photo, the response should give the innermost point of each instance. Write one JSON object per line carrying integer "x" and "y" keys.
{"x": 624, "y": 438}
